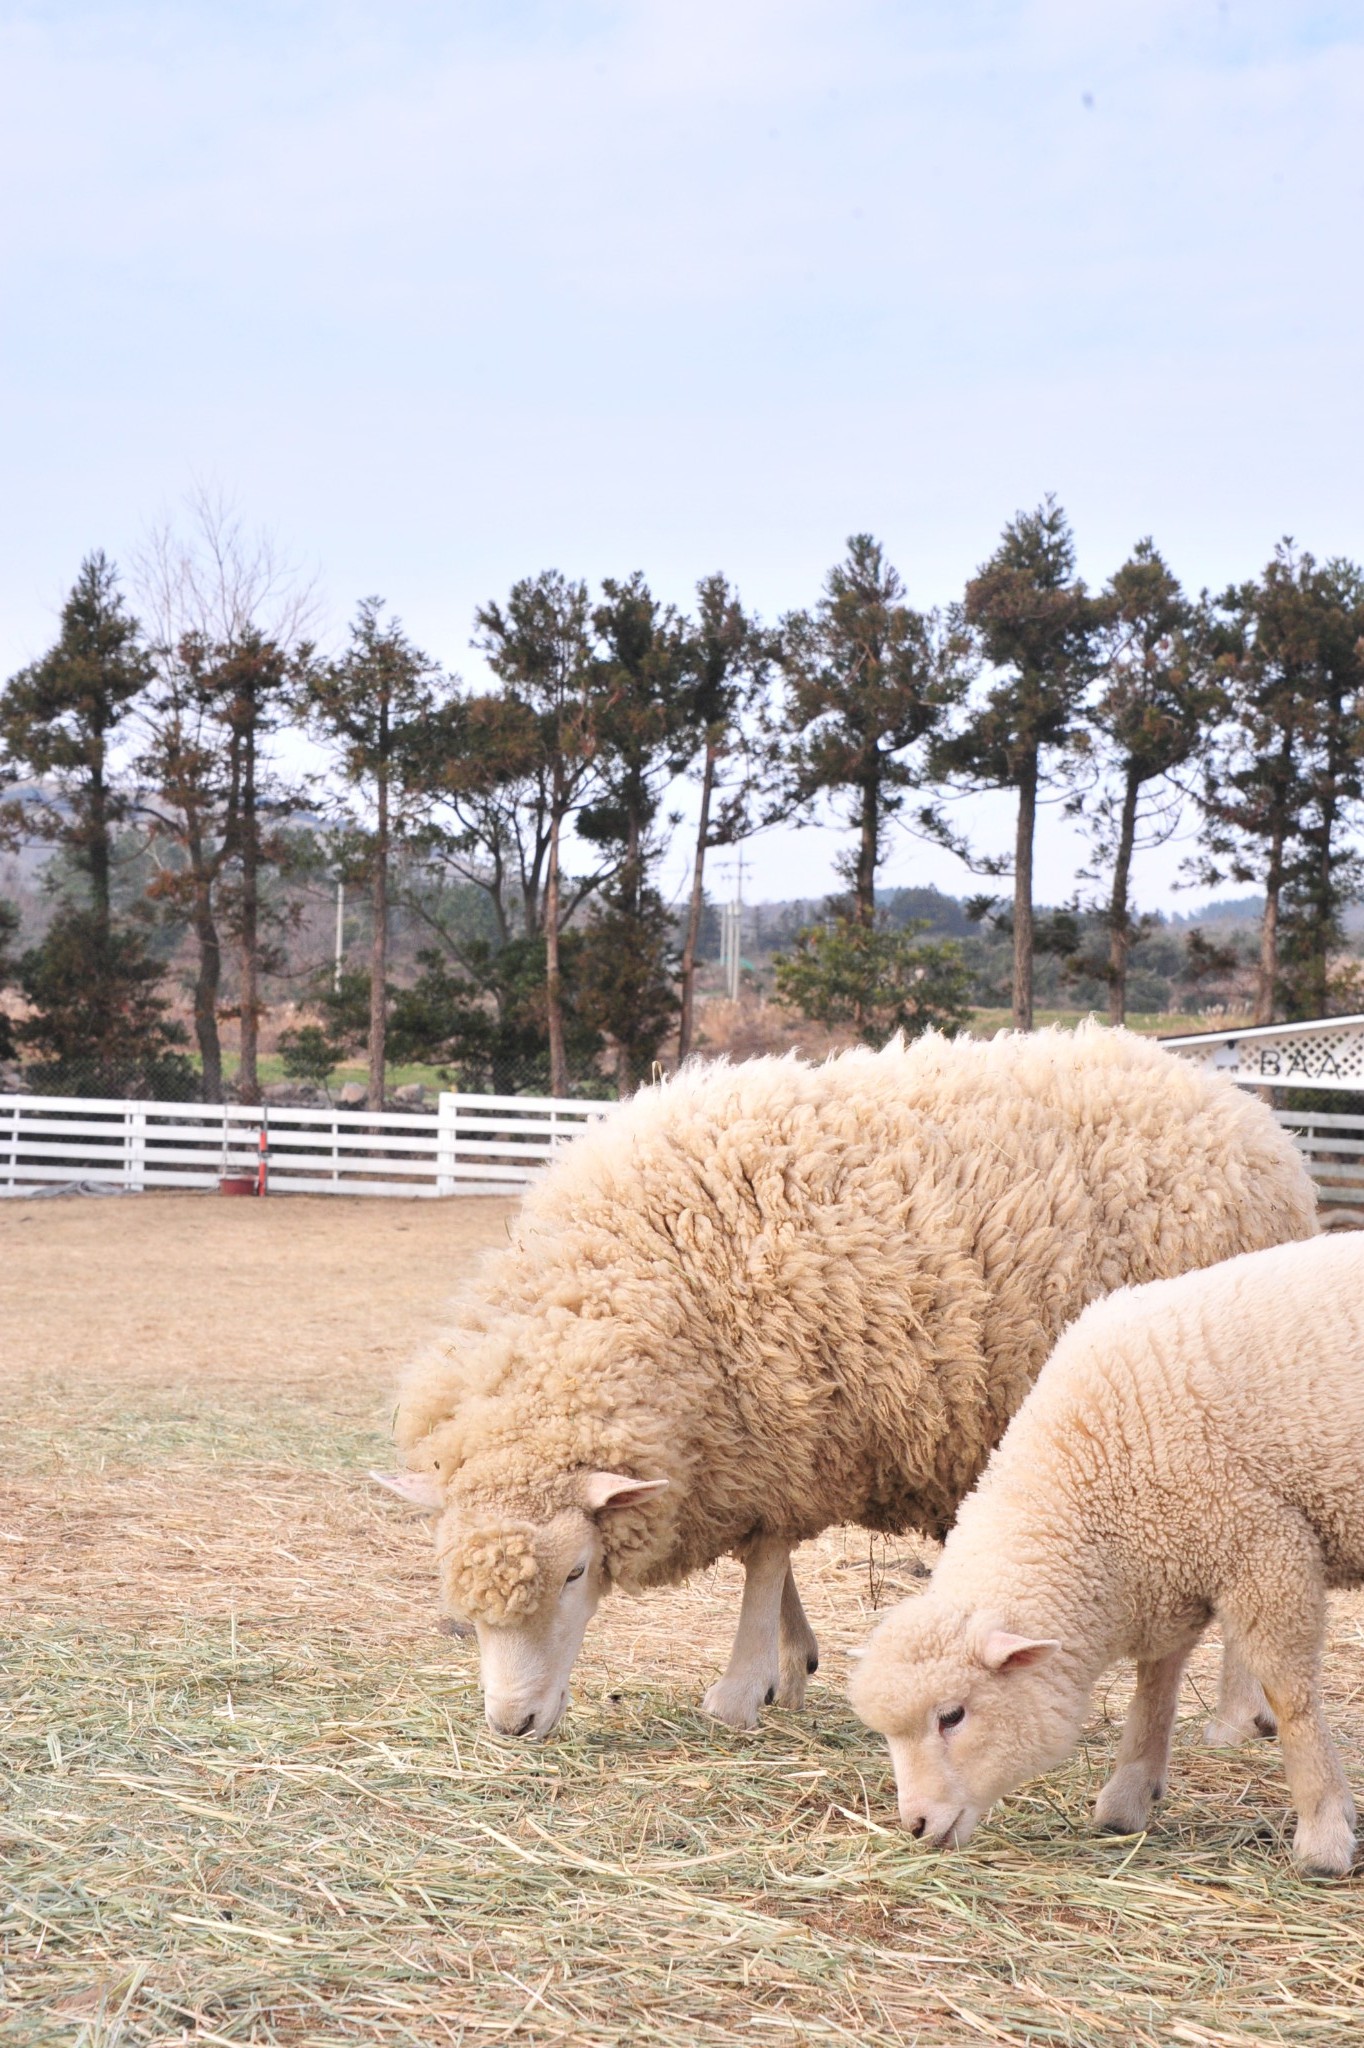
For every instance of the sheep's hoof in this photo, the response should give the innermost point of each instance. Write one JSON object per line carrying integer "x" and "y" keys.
{"x": 1123, "y": 1807}
{"x": 736, "y": 1702}
{"x": 791, "y": 1682}
{"x": 1326, "y": 1848}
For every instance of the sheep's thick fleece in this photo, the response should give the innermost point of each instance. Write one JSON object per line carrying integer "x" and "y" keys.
{"x": 812, "y": 1294}
{"x": 1192, "y": 1449}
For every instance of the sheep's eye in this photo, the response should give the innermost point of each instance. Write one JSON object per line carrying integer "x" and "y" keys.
{"x": 576, "y": 1573}
{"x": 953, "y": 1718}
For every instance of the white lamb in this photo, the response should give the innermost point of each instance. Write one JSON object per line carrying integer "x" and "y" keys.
{"x": 1193, "y": 1449}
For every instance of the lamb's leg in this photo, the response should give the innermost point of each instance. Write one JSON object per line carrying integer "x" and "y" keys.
{"x": 799, "y": 1650}
{"x": 1242, "y": 1709}
{"x": 1276, "y": 1617}
{"x": 754, "y": 1669}
{"x": 1124, "y": 1805}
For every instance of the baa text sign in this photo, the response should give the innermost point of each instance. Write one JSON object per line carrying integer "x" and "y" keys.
{"x": 1315, "y": 1055}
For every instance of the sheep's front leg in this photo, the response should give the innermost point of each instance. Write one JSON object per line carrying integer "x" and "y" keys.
{"x": 754, "y": 1669}
{"x": 799, "y": 1651}
{"x": 1242, "y": 1709}
{"x": 1139, "y": 1776}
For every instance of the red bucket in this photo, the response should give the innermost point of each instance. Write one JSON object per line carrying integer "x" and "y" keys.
{"x": 237, "y": 1184}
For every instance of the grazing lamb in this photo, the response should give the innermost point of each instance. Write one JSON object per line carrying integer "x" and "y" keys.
{"x": 766, "y": 1298}
{"x": 1192, "y": 1449}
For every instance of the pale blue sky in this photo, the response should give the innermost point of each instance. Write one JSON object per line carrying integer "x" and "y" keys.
{"x": 444, "y": 294}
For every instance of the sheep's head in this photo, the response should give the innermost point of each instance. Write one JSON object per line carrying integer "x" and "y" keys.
{"x": 529, "y": 1588}
{"x": 969, "y": 1710}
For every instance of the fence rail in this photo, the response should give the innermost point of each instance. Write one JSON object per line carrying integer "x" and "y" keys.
{"x": 471, "y": 1144}
{"x": 1333, "y": 1146}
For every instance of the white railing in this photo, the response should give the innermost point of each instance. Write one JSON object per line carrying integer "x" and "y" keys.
{"x": 1333, "y": 1147}
{"x": 472, "y": 1144}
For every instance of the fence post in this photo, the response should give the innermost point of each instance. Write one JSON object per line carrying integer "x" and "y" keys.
{"x": 134, "y": 1146}
{"x": 447, "y": 1140}
{"x": 10, "y": 1175}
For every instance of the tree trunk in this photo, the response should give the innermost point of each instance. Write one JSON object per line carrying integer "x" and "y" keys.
{"x": 554, "y": 1008}
{"x": 864, "y": 885}
{"x": 1119, "y": 921}
{"x": 684, "y": 1022}
{"x": 632, "y": 872}
{"x": 206, "y": 983}
{"x": 1267, "y": 977}
{"x": 97, "y": 847}
{"x": 1023, "y": 934}
{"x": 248, "y": 1004}
{"x": 1324, "y": 920}
{"x": 378, "y": 951}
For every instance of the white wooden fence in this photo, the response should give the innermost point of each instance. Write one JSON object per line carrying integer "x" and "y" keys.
{"x": 1333, "y": 1147}
{"x": 472, "y": 1144}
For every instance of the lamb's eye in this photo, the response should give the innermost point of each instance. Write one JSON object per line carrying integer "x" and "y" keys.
{"x": 576, "y": 1573}
{"x": 953, "y": 1718}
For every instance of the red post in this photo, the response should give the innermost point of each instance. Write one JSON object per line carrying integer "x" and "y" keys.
{"x": 263, "y": 1170}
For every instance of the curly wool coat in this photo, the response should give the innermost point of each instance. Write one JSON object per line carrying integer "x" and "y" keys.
{"x": 813, "y": 1294}
{"x": 1191, "y": 1449}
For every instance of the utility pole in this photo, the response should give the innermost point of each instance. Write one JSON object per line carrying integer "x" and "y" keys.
{"x": 340, "y": 931}
{"x": 731, "y": 934}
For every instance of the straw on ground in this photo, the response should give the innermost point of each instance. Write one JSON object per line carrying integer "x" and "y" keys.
{"x": 247, "y": 1795}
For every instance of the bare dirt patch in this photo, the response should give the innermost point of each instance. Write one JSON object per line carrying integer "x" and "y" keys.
{"x": 246, "y": 1794}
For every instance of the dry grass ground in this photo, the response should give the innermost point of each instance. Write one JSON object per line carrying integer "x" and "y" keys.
{"x": 246, "y": 1796}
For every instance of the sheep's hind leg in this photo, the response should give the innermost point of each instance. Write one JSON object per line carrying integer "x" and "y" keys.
{"x": 1276, "y": 1616}
{"x": 1242, "y": 1709}
{"x": 1139, "y": 1776}
{"x": 754, "y": 1669}
{"x": 799, "y": 1657}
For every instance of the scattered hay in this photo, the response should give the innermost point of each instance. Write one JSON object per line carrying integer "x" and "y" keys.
{"x": 246, "y": 1795}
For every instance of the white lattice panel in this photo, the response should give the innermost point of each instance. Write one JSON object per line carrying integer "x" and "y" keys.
{"x": 1313, "y": 1055}
{"x": 1330, "y": 1059}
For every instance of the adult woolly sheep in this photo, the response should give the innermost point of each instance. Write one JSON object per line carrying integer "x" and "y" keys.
{"x": 1192, "y": 1449}
{"x": 766, "y": 1298}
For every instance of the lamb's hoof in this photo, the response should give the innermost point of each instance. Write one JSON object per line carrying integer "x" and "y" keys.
{"x": 1326, "y": 1848}
{"x": 737, "y": 1702}
{"x": 1123, "y": 1807}
{"x": 1219, "y": 1734}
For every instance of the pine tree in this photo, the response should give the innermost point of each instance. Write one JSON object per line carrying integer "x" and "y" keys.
{"x": 60, "y": 719}
{"x": 377, "y": 708}
{"x": 1151, "y": 718}
{"x": 868, "y": 682}
{"x": 1034, "y": 624}
{"x": 1329, "y": 870}
{"x": 728, "y": 657}
{"x": 539, "y": 647}
{"x": 1281, "y": 781}
{"x": 98, "y": 1022}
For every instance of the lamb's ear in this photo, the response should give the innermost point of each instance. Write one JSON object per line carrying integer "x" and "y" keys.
{"x": 614, "y": 1490}
{"x": 418, "y": 1489}
{"x": 1004, "y": 1652}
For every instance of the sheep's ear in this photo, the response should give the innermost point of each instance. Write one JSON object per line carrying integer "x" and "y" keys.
{"x": 614, "y": 1490}
{"x": 418, "y": 1489}
{"x": 1004, "y": 1652}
